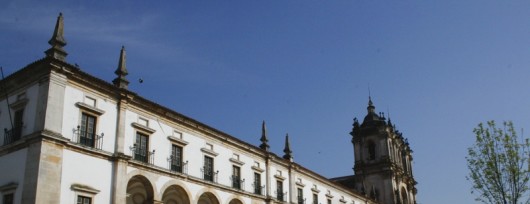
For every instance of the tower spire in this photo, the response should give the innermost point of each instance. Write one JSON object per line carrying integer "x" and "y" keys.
{"x": 287, "y": 150}
{"x": 120, "y": 81}
{"x": 57, "y": 41}
{"x": 264, "y": 141}
{"x": 371, "y": 107}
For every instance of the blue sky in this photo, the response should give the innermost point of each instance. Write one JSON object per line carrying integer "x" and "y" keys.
{"x": 305, "y": 67}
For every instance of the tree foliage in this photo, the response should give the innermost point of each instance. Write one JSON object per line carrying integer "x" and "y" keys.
{"x": 499, "y": 165}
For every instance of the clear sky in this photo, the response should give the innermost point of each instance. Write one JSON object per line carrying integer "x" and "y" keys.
{"x": 305, "y": 67}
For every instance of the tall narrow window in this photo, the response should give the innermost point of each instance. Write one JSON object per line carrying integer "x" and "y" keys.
{"x": 300, "y": 196}
{"x": 371, "y": 151}
{"x": 279, "y": 190}
{"x": 236, "y": 177}
{"x": 87, "y": 130}
{"x": 9, "y": 199}
{"x": 84, "y": 200}
{"x": 329, "y": 201}
{"x": 176, "y": 158}
{"x": 257, "y": 183}
{"x": 208, "y": 168}
{"x": 18, "y": 123}
{"x": 142, "y": 144}
{"x": 315, "y": 198}
{"x": 404, "y": 161}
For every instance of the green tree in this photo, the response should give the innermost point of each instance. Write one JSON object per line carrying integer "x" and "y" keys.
{"x": 499, "y": 165}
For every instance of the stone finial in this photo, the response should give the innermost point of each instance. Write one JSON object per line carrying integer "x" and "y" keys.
{"x": 287, "y": 150}
{"x": 264, "y": 141}
{"x": 57, "y": 41}
{"x": 121, "y": 81}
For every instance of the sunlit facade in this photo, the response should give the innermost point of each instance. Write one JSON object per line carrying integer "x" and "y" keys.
{"x": 73, "y": 138}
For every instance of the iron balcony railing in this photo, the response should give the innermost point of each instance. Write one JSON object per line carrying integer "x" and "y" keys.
{"x": 237, "y": 182}
{"x": 177, "y": 165}
{"x": 280, "y": 195}
{"x": 209, "y": 175}
{"x": 301, "y": 199}
{"x": 12, "y": 135}
{"x": 88, "y": 139}
{"x": 142, "y": 154}
{"x": 257, "y": 188}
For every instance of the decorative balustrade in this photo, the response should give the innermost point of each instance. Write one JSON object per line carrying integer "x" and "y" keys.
{"x": 237, "y": 182}
{"x": 176, "y": 165}
{"x": 12, "y": 135}
{"x": 257, "y": 188}
{"x": 142, "y": 155}
{"x": 88, "y": 139}
{"x": 280, "y": 196}
{"x": 300, "y": 199}
{"x": 209, "y": 175}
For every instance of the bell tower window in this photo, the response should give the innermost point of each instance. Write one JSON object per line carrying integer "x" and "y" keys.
{"x": 371, "y": 151}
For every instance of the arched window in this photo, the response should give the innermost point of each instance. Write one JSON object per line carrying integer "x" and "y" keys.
{"x": 404, "y": 196}
{"x": 404, "y": 161}
{"x": 371, "y": 151}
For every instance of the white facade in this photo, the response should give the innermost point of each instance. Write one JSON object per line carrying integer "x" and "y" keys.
{"x": 49, "y": 162}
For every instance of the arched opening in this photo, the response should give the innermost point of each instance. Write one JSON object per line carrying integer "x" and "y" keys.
{"x": 139, "y": 190}
{"x": 404, "y": 196}
{"x": 371, "y": 150}
{"x": 175, "y": 195}
{"x": 208, "y": 198}
{"x": 404, "y": 161}
{"x": 235, "y": 201}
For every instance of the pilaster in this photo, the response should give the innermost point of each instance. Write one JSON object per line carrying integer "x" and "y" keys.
{"x": 119, "y": 175}
{"x": 43, "y": 173}
{"x": 55, "y": 104}
{"x": 120, "y": 159}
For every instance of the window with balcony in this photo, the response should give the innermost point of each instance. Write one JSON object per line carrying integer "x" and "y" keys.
{"x": 236, "y": 177}
{"x": 14, "y": 134}
{"x": 176, "y": 158}
{"x": 257, "y": 184}
{"x": 87, "y": 130}
{"x": 279, "y": 190}
{"x": 300, "y": 196}
{"x": 141, "y": 152}
{"x": 208, "y": 171}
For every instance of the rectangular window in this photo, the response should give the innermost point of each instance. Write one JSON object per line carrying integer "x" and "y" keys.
{"x": 18, "y": 123}
{"x": 208, "y": 168}
{"x": 142, "y": 144}
{"x": 257, "y": 183}
{"x": 315, "y": 198}
{"x": 236, "y": 177}
{"x": 329, "y": 201}
{"x": 176, "y": 158}
{"x": 84, "y": 200}
{"x": 279, "y": 190}
{"x": 9, "y": 198}
{"x": 300, "y": 196}
{"x": 87, "y": 130}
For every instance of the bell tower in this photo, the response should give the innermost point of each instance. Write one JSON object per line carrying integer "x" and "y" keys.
{"x": 383, "y": 158}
